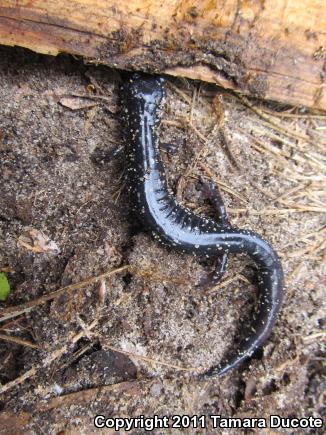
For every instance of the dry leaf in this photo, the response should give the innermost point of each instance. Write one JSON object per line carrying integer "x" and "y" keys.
{"x": 37, "y": 242}
{"x": 75, "y": 103}
{"x": 101, "y": 292}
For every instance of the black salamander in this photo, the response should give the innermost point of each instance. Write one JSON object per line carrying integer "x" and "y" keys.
{"x": 179, "y": 227}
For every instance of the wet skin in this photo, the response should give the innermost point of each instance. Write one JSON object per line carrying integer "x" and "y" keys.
{"x": 179, "y": 228}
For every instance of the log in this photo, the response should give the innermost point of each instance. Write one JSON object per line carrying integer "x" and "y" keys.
{"x": 272, "y": 49}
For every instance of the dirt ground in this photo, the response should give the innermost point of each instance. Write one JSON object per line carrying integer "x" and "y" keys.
{"x": 64, "y": 218}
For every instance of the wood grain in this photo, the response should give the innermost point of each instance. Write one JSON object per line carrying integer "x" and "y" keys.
{"x": 273, "y": 49}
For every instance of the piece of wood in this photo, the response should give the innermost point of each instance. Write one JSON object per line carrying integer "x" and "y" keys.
{"x": 273, "y": 49}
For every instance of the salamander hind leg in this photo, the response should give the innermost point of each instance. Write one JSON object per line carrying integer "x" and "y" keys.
{"x": 211, "y": 192}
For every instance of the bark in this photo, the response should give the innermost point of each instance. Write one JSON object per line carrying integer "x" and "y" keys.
{"x": 273, "y": 49}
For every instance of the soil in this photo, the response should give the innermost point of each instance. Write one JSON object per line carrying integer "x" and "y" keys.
{"x": 65, "y": 217}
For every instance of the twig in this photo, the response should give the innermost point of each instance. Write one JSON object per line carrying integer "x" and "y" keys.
{"x": 180, "y": 92}
{"x": 47, "y": 361}
{"x": 275, "y": 124}
{"x": 8, "y": 313}
{"x": 103, "y": 393}
{"x": 225, "y": 283}
{"x": 17, "y": 340}
{"x": 293, "y": 115}
{"x": 313, "y": 336}
{"x": 153, "y": 361}
{"x": 220, "y": 132}
{"x": 296, "y": 208}
{"x": 192, "y": 105}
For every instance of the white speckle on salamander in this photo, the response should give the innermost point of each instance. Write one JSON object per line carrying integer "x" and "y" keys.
{"x": 179, "y": 226}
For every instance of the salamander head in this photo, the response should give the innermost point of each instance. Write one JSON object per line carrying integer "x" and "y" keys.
{"x": 145, "y": 87}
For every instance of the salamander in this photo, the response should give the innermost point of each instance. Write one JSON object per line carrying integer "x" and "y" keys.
{"x": 181, "y": 229}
